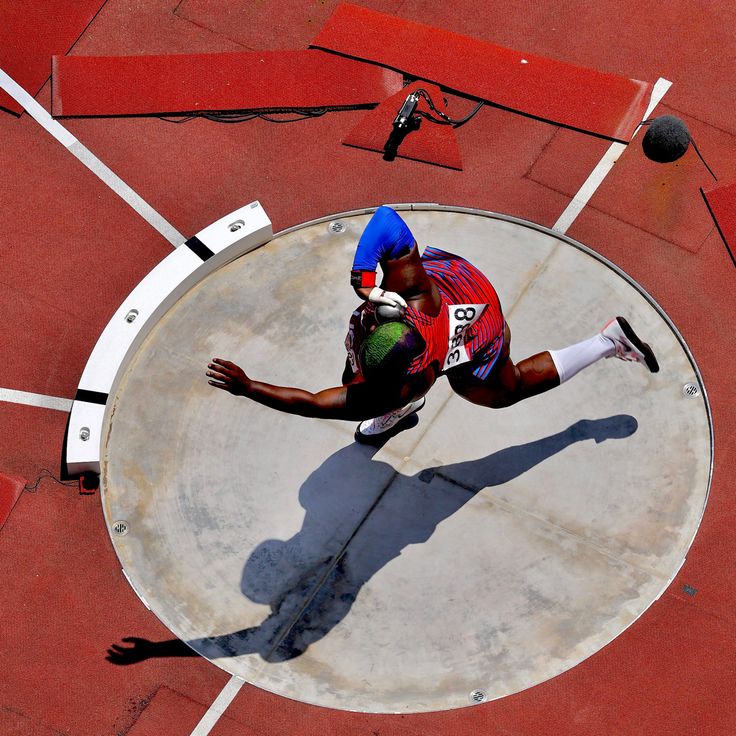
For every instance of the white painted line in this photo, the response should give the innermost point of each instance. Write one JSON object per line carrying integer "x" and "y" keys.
{"x": 29, "y": 399}
{"x": 58, "y": 131}
{"x": 222, "y": 701}
{"x": 120, "y": 188}
{"x": 658, "y": 92}
{"x": 35, "y": 110}
{"x": 586, "y": 191}
{"x": 606, "y": 163}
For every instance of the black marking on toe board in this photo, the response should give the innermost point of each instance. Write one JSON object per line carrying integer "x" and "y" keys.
{"x": 91, "y": 397}
{"x": 199, "y": 248}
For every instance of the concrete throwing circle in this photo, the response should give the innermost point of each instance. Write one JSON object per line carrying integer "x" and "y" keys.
{"x": 481, "y": 551}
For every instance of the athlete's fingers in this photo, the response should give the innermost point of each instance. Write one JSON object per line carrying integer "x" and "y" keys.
{"x": 400, "y": 301}
{"x": 221, "y": 377}
{"x": 223, "y": 372}
{"x": 220, "y": 380}
{"x": 389, "y": 298}
{"x": 225, "y": 363}
{"x": 223, "y": 386}
{"x": 225, "y": 375}
{"x": 216, "y": 379}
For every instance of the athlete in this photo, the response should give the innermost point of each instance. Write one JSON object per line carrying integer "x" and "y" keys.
{"x": 433, "y": 314}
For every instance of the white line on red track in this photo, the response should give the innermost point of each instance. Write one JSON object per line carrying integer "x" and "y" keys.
{"x": 222, "y": 701}
{"x": 606, "y": 163}
{"x": 41, "y": 400}
{"x": 83, "y": 154}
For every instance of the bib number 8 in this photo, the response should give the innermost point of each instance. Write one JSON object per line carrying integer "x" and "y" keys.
{"x": 462, "y": 316}
{"x": 465, "y": 314}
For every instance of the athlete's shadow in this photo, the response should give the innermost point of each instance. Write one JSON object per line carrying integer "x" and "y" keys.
{"x": 311, "y": 580}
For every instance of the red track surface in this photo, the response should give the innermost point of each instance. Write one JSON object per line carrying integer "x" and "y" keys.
{"x": 432, "y": 143}
{"x": 612, "y": 106}
{"x": 30, "y": 33}
{"x": 244, "y": 80}
{"x": 722, "y": 204}
{"x": 72, "y": 250}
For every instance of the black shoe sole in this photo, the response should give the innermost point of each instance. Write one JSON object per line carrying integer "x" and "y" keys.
{"x": 642, "y": 347}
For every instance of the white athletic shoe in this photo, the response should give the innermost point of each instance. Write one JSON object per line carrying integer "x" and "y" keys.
{"x": 370, "y": 429}
{"x": 628, "y": 344}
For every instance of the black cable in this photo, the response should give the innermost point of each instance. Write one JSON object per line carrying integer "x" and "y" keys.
{"x": 446, "y": 119}
{"x": 718, "y": 227}
{"x": 303, "y": 115}
{"x": 307, "y": 113}
{"x": 45, "y": 473}
{"x": 228, "y": 118}
{"x": 242, "y": 117}
{"x": 702, "y": 159}
{"x": 177, "y": 121}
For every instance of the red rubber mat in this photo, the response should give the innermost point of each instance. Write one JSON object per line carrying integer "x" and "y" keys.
{"x": 266, "y": 24}
{"x": 156, "y": 717}
{"x": 603, "y": 104}
{"x": 432, "y": 143}
{"x": 11, "y": 486}
{"x": 32, "y": 32}
{"x": 252, "y": 80}
{"x": 721, "y": 201}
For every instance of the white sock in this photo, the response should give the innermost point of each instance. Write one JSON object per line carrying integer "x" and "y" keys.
{"x": 570, "y": 361}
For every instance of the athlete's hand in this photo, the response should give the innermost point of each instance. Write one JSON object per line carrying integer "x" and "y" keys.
{"x": 389, "y": 298}
{"x": 227, "y": 376}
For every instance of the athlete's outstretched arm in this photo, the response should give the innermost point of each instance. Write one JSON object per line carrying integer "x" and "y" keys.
{"x": 354, "y": 402}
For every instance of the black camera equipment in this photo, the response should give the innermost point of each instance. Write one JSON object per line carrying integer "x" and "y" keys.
{"x": 404, "y": 122}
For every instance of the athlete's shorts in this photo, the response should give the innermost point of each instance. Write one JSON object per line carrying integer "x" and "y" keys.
{"x": 484, "y": 365}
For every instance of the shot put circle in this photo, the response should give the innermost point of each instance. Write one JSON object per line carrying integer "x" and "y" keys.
{"x": 480, "y": 552}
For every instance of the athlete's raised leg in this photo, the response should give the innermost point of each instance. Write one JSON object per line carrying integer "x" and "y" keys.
{"x": 510, "y": 383}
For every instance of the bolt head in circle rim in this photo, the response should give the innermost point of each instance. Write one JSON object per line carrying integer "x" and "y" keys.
{"x": 478, "y": 696}
{"x": 120, "y": 528}
{"x": 690, "y": 390}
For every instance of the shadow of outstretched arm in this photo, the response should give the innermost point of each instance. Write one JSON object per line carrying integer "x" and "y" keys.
{"x": 142, "y": 649}
{"x": 245, "y": 641}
